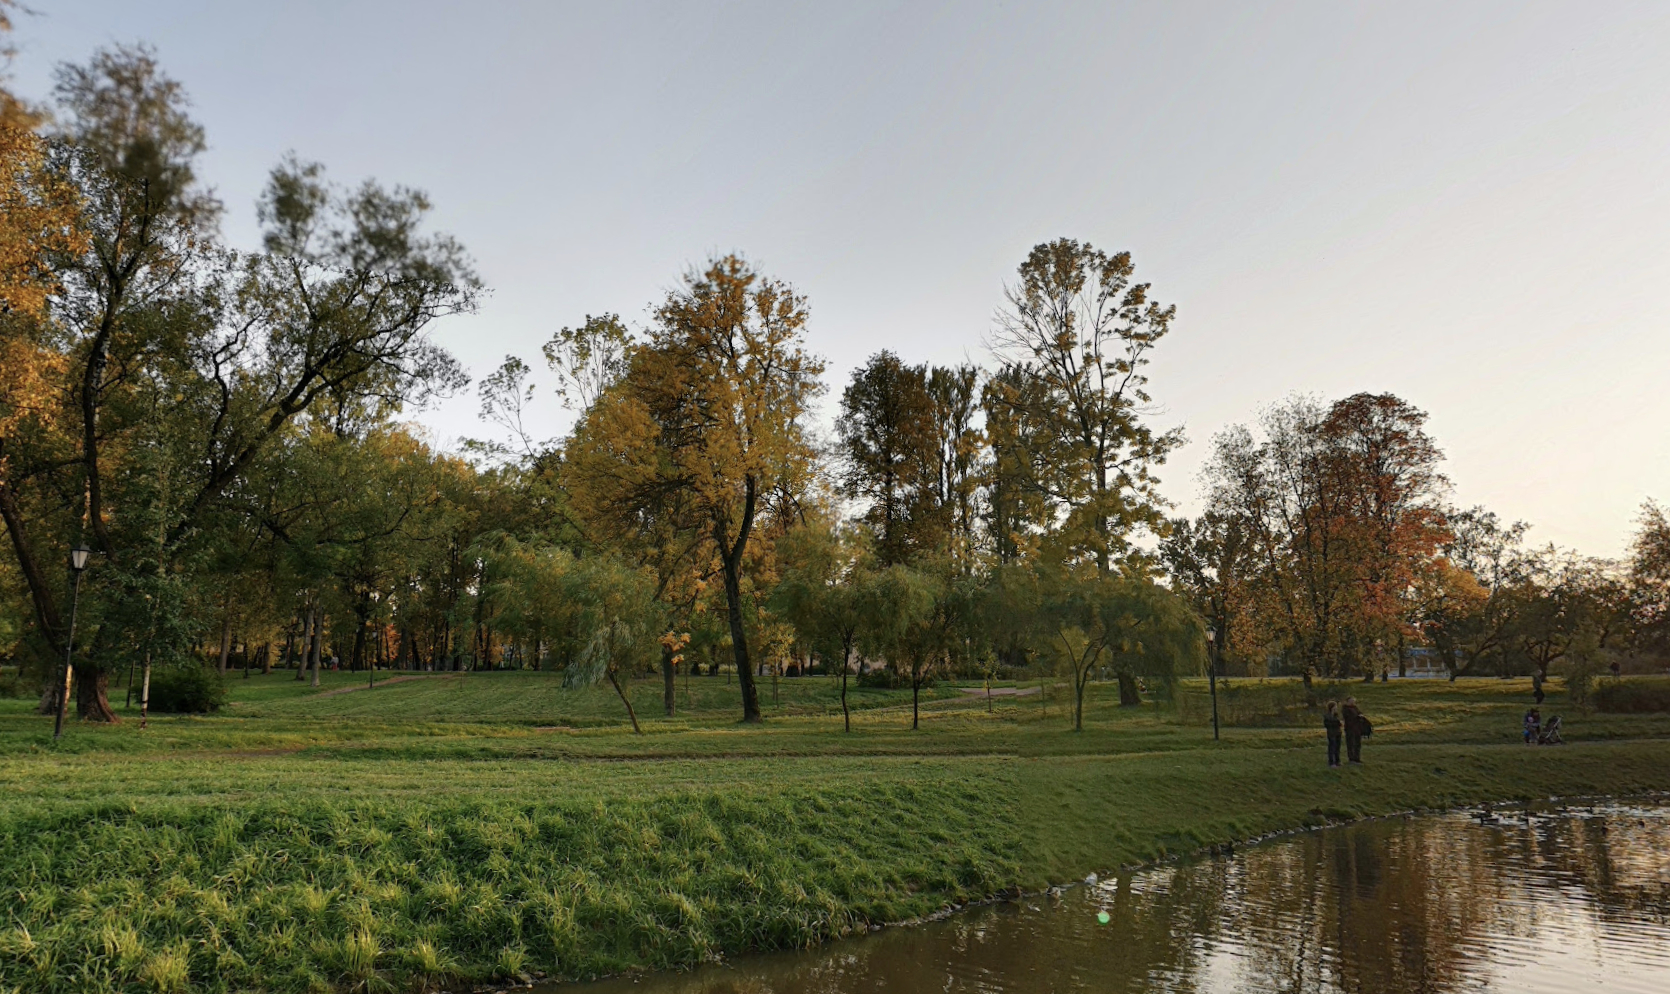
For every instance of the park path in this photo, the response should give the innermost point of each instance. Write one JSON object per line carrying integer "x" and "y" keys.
{"x": 380, "y": 683}
{"x": 1000, "y": 691}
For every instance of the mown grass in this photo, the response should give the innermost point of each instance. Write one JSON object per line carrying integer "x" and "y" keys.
{"x": 442, "y": 833}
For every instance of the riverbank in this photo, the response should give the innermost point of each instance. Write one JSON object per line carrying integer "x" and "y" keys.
{"x": 279, "y": 848}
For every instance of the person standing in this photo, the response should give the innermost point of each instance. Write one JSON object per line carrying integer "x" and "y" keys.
{"x": 1331, "y": 724}
{"x": 1355, "y": 725}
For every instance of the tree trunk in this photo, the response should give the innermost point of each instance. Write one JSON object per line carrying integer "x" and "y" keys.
{"x": 730, "y": 556}
{"x": 739, "y": 643}
{"x": 1128, "y": 696}
{"x": 307, "y": 643}
{"x": 915, "y": 688}
{"x": 91, "y": 701}
{"x": 846, "y": 663}
{"x": 624, "y": 700}
{"x": 225, "y": 641}
{"x": 266, "y": 659}
{"x": 48, "y": 621}
{"x": 668, "y": 672}
{"x": 318, "y": 647}
{"x": 1078, "y": 699}
{"x": 145, "y": 692}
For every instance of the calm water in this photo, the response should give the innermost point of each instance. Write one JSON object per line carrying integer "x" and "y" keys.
{"x": 1563, "y": 901}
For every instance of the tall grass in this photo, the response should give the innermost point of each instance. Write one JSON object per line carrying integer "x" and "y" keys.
{"x": 308, "y": 847}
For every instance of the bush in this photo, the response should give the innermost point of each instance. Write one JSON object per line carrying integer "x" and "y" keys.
{"x": 186, "y": 689}
{"x": 1632, "y": 696}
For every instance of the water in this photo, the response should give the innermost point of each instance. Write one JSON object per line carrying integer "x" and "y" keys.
{"x": 1577, "y": 900}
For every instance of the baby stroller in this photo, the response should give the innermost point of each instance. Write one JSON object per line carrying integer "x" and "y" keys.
{"x": 1550, "y": 734}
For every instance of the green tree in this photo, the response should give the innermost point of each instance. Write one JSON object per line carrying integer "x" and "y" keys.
{"x": 1080, "y": 330}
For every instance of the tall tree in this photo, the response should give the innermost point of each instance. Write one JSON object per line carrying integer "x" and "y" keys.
{"x": 888, "y": 430}
{"x": 1081, "y": 327}
{"x": 705, "y": 430}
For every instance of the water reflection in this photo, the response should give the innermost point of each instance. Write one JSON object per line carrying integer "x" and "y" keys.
{"x": 1554, "y": 902}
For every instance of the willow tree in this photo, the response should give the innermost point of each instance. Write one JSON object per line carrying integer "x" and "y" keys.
{"x": 702, "y": 434}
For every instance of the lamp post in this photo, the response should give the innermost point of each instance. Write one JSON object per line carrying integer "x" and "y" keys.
{"x": 78, "y": 562}
{"x": 1212, "y": 675}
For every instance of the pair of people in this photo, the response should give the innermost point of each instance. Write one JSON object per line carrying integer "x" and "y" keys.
{"x": 1537, "y": 733}
{"x": 1347, "y": 723}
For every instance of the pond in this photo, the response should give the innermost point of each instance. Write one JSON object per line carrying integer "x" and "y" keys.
{"x": 1573, "y": 899}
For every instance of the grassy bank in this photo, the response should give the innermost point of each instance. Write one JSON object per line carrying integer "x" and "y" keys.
{"x": 447, "y": 831}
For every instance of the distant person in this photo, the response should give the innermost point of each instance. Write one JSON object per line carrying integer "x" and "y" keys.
{"x": 1331, "y": 724}
{"x": 1533, "y": 726}
{"x": 1536, "y": 687}
{"x": 1617, "y": 669}
{"x": 1385, "y": 674}
{"x": 1356, "y": 728}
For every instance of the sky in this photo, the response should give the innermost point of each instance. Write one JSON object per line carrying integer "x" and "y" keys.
{"x": 1465, "y": 204}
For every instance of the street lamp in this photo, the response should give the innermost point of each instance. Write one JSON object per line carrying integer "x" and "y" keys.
{"x": 78, "y": 562}
{"x": 1212, "y": 675}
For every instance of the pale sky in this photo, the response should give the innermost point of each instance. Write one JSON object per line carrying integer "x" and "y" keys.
{"x": 1466, "y": 204}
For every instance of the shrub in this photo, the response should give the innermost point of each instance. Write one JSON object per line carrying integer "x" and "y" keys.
{"x": 186, "y": 689}
{"x": 1632, "y": 696}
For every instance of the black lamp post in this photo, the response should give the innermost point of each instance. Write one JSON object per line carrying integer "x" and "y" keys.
{"x": 78, "y": 562}
{"x": 1212, "y": 675}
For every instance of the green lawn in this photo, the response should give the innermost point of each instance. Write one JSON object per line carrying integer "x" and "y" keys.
{"x": 453, "y": 829}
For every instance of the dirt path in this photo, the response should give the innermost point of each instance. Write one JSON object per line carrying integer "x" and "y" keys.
{"x": 1000, "y": 691}
{"x": 380, "y": 683}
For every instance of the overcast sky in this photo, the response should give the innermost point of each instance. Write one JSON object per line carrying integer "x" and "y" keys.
{"x": 1466, "y": 204}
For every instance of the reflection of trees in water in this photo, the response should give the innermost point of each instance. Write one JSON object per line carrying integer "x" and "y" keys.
{"x": 1408, "y": 906}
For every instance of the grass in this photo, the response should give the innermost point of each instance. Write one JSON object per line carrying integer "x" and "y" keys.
{"x": 456, "y": 830}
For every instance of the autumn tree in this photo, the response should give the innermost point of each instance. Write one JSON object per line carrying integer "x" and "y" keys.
{"x": 704, "y": 431}
{"x": 1341, "y": 507}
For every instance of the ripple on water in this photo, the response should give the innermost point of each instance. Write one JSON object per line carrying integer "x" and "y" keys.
{"x": 1555, "y": 902}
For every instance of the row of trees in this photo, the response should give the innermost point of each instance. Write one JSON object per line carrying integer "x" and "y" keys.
{"x": 227, "y": 430}
{"x": 1328, "y": 545}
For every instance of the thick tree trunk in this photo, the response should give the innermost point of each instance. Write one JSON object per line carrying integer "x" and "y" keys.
{"x": 47, "y": 619}
{"x": 92, "y": 702}
{"x": 307, "y": 642}
{"x": 266, "y": 659}
{"x": 731, "y": 558}
{"x": 1128, "y": 696}
{"x": 225, "y": 642}
{"x": 668, "y": 672}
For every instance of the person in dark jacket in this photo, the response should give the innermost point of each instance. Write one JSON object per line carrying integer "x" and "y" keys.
{"x": 1331, "y": 723}
{"x": 1355, "y": 725}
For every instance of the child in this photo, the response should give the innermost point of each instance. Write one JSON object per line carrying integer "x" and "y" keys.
{"x": 1533, "y": 726}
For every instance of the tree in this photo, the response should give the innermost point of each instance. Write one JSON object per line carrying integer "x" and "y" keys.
{"x": 159, "y": 341}
{"x": 1472, "y": 597}
{"x": 888, "y": 437}
{"x": 908, "y": 611}
{"x": 832, "y": 596}
{"x": 39, "y": 215}
{"x": 1649, "y": 576}
{"x": 1081, "y": 329}
{"x": 1210, "y": 562}
{"x": 620, "y": 624}
{"x": 1136, "y": 626}
{"x": 704, "y": 430}
{"x": 1341, "y": 507}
